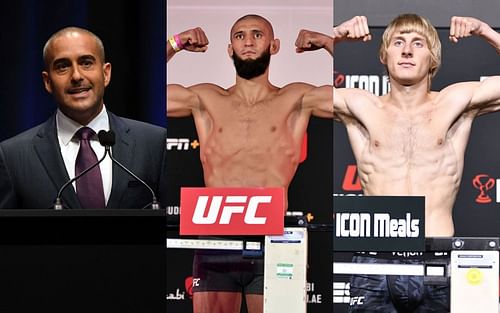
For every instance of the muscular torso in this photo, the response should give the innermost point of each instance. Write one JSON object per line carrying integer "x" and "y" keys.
{"x": 245, "y": 144}
{"x": 418, "y": 151}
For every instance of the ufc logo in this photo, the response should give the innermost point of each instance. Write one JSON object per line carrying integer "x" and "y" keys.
{"x": 351, "y": 179}
{"x": 196, "y": 282}
{"x": 357, "y": 300}
{"x": 230, "y": 205}
{"x": 232, "y": 211}
{"x": 180, "y": 143}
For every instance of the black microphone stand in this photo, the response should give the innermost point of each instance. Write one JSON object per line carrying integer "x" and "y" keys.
{"x": 155, "y": 205}
{"x": 107, "y": 139}
{"x": 58, "y": 205}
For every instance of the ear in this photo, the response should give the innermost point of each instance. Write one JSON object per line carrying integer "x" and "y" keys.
{"x": 107, "y": 73}
{"x": 46, "y": 81}
{"x": 383, "y": 58}
{"x": 230, "y": 50}
{"x": 275, "y": 46}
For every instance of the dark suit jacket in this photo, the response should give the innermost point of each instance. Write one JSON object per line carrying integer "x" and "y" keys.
{"x": 32, "y": 169}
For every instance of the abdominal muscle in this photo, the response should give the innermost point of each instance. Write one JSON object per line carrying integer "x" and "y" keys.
{"x": 268, "y": 160}
{"x": 433, "y": 173}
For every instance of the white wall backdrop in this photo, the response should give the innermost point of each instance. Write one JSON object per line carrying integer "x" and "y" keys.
{"x": 217, "y": 16}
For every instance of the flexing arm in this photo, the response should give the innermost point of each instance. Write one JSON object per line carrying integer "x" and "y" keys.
{"x": 309, "y": 41}
{"x": 180, "y": 100}
{"x": 462, "y": 27}
{"x": 355, "y": 29}
{"x": 193, "y": 40}
{"x": 484, "y": 96}
{"x": 319, "y": 99}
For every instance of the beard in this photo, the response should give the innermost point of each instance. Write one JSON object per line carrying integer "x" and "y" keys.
{"x": 249, "y": 69}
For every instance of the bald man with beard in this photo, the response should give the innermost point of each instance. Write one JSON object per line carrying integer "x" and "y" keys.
{"x": 250, "y": 136}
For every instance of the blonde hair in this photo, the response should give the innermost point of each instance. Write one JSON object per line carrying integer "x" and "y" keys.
{"x": 407, "y": 23}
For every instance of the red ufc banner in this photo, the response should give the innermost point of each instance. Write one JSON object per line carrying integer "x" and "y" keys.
{"x": 232, "y": 211}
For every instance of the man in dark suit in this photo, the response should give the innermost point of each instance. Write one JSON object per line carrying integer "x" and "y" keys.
{"x": 35, "y": 164}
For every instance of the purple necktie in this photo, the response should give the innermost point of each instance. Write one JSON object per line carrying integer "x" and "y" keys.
{"x": 88, "y": 187}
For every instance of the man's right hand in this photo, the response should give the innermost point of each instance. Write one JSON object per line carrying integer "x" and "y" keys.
{"x": 194, "y": 40}
{"x": 309, "y": 41}
{"x": 354, "y": 29}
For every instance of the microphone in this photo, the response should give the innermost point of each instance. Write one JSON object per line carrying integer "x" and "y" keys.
{"x": 58, "y": 205}
{"x": 107, "y": 139}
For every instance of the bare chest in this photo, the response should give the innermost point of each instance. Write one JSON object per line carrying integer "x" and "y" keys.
{"x": 259, "y": 122}
{"x": 408, "y": 156}
{"x": 407, "y": 134}
{"x": 249, "y": 139}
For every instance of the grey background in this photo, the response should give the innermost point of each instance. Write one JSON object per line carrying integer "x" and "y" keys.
{"x": 466, "y": 61}
{"x": 439, "y": 12}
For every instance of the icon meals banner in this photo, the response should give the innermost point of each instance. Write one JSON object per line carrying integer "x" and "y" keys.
{"x": 379, "y": 224}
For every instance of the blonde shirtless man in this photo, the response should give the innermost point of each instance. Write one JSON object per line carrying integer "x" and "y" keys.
{"x": 250, "y": 136}
{"x": 412, "y": 140}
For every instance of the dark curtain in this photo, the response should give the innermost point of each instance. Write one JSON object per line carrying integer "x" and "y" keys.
{"x": 133, "y": 33}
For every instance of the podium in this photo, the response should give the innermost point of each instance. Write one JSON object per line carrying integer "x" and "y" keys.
{"x": 472, "y": 270}
{"x": 82, "y": 261}
{"x": 285, "y": 258}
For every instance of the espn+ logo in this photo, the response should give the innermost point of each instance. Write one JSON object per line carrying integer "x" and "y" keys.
{"x": 181, "y": 144}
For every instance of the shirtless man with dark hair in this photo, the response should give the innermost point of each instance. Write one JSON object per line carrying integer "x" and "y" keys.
{"x": 412, "y": 140}
{"x": 250, "y": 134}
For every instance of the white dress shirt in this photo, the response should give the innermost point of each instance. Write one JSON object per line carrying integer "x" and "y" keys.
{"x": 69, "y": 145}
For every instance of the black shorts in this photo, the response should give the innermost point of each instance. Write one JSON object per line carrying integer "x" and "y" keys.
{"x": 396, "y": 294}
{"x": 223, "y": 270}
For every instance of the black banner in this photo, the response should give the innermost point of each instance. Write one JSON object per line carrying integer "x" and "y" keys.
{"x": 379, "y": 224}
